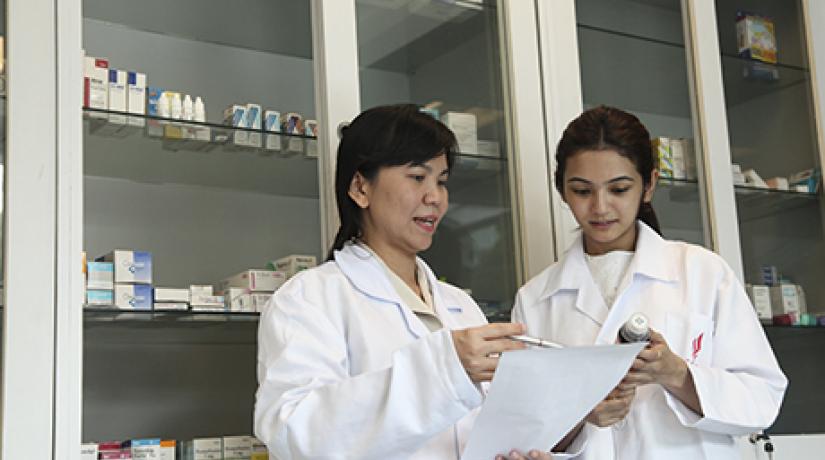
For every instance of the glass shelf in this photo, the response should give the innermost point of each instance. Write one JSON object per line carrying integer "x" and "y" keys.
{"x": 111, "y": 314}
{"x": 756, "y": 203}
{"x": 747, "y": 79}
{"x": 268, "y": 25}
{"x": 158, "y": 150}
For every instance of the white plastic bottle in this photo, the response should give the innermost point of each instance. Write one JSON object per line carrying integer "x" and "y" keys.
{"x": 187, "y": 108}
{"x": 163, "y": 105}
{"x": 176, "y": 107}
{"x": 200, "y": 110}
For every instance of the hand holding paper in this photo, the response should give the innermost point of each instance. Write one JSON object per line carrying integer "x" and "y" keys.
{"x": 538, "y": 395}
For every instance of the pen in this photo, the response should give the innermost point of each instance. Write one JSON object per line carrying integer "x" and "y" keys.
{"x": 535, "y": 341}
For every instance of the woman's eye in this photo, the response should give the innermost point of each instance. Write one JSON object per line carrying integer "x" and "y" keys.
{"x": 417, "y": 177}
{"x": 581, "y": 192}
{"x": 619, "y": 191}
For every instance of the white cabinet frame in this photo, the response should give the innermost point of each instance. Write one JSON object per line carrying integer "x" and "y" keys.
{"x": 30, "y": 229}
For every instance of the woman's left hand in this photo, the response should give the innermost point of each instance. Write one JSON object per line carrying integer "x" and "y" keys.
{"x": 532, "y": 455}
{"x": 657, "y": 364}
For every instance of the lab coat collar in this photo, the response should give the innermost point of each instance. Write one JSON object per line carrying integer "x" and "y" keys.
{"x": 367, "y": 274}
{"x": 652, "y": 259}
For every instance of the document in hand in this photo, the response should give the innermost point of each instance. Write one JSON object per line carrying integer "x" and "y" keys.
{"x": 538, "y": 395}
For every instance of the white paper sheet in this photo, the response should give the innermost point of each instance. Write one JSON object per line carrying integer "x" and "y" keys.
{"x": 538, "y": 395}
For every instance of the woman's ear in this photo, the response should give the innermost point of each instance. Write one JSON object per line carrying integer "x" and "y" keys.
{"x": 654, "y": 178}
{"x": 359, "y": 188}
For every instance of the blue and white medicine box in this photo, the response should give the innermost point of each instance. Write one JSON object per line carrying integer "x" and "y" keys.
{"x": 143, "y": 449}
{"x": 101, "y": 275}
{"x": 133, "y": 296}
{"x": 98, "y": 297}
{"x": 130, "y": 266}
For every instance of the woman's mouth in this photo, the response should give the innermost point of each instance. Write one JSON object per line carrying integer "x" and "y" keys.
{"x": 426, "y": 223}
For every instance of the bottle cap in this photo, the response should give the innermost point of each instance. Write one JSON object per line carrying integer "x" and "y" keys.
{"x": 636, "y": 329}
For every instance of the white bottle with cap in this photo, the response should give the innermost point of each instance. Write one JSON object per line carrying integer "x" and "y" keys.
{"x": 187, "y": 108}
{"x": 635, "y": 329}
{"x": 200, "y": 110}
{"x": 176, "y": 107}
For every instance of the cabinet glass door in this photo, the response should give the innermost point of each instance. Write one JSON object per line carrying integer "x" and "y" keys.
{"x": 445, "y": 57}
{"x": 777, "y": 174}
{"x": 633, "y": 56}
{"x": 207, "y": 192}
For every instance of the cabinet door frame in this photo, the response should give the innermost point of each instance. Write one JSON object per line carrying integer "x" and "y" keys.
{"x": 30, "y": 307}
{"x": 563, "y": 102}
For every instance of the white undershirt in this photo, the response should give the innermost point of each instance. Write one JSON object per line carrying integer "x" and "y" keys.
{"x": 608, "y": 270}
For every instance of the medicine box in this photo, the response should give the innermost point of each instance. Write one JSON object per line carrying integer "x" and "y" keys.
{"x": 785, "y": 300}
{"x": 254, "y": 119}
{"x": 117, "y": 96}
{"x": 237, "y": 447}
{"x": 203, "y": 449}
{"x": 171, "y": 295}
{"x": 100, "y": 275}
{"x": 761, "y": 297}
{"x": 121, "y": 454}
{"x": 133, "y": 296}
{"x": 755, "y": 37}
{"x": 465, "y": 128}
{"x": 88, "y": 451}
{"x": 99, "y": 297}
{"x": 259, "y": 450}
{"x": 136, "y": 90}
{"x": 272, "y": 124}
{"x": 167, "y": 449}
{"x": 130, "y": 266}
{"x": 255, "y": 280}
{"x": 144, "y": 449}
{"x": 95, "y": 83}
{"x": 292, "y": 264}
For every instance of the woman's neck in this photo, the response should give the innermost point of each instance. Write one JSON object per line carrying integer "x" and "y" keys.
{"x": 401, "y": 263}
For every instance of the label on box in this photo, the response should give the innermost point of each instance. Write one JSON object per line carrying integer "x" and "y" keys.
{"x": 101, "y": 275}
{"x": 131, "y": 266}
{"x": 255, "y": 280}
{"x": 133, "y": 296}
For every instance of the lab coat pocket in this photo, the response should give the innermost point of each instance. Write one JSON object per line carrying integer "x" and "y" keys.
{"x": 690, "y": 337}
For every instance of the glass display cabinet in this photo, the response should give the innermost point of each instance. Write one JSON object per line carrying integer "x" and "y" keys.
{"x": 777, "y": 167}
{"x": 633, "y": 56}
{"x": 447, "y": 58}
{"x": 205, "y": 196}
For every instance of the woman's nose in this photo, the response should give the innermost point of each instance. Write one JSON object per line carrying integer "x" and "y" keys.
{"x": 599, "y": 203}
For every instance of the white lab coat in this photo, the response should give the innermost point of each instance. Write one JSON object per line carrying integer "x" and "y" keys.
{"x": 693, "y": 298}
{"x": 347, "y": 371}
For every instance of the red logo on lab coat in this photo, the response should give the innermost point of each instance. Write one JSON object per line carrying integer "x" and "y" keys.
{"x": 697, "y": 346}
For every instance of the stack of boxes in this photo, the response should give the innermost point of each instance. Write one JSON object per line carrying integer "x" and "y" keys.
{"x": 778, "y": 301}
{"x": 123, "y": 278}
{"x": 676, "y": 159}
{"x": 225, "y": 448}
{"x": 132, "y": 278}
{"x": 756, "y": 42}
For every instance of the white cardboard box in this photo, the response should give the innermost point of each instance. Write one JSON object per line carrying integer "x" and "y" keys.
{"x": 255, "y": 280}
{"x": 465, "y": 128}
{"x": 292, "y": 264}
{"x": 130, "y": 266}
{"x": 237, "y": 447}
{"x": 761, "y": 297}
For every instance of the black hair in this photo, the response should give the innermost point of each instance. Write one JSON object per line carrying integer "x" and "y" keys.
{"x": 390, "y": 135}
{"x": 609, "y": 128}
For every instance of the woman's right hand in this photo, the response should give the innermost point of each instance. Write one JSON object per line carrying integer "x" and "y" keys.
{"x": 614, "y": 407}
{"x": 479, "y": 348}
